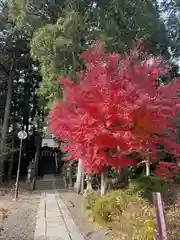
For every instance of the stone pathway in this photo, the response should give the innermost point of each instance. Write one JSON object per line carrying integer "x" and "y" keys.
{"x": 54, "y": 220}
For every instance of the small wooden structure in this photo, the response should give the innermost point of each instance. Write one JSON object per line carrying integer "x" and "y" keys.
{"x": 50, "y": 159}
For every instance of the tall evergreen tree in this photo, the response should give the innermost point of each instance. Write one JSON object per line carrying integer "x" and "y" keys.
{"x": 19, "y": 79}
{"x": 170, "y": 10}
{"x": 62, "y": 30}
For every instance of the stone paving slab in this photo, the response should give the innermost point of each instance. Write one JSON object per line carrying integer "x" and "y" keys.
{"x": 40, "y": 231}
{"x": 70, "y": 223}
{"x": 54, "y": 220}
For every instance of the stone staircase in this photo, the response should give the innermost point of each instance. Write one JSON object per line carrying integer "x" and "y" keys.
{"x": 50, "y": 182}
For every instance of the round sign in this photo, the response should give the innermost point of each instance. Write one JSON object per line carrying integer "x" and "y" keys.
{"x": 22, "y": 135}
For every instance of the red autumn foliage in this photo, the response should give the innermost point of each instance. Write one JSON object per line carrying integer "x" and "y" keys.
{"x": 117, "y": 107}
{"x": 167, "y": 170}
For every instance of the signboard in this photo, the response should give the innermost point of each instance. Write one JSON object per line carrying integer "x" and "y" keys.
{"x": 22, "y": 135}
{"x": 49, "y": 142}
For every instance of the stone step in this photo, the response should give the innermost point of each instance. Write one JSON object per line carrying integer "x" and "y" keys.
{"x": 54, "y": 183}
{"x": 45, "y": 184}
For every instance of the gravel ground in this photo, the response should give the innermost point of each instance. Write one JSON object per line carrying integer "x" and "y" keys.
{"x": 74, "y": 203}
{"x": 21, "y": 220}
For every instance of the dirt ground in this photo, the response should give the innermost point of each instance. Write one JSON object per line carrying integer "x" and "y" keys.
{"x": 74, "y": 203}
{"x": 18, "y": 218}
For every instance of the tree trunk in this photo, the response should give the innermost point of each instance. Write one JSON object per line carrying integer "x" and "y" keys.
{"x": 124, "y": 176}
{"x": 104, "y": 178}
{"x": 26, "y": 127}
{"x": 70, "y": 180}
{"x": 147, "y": 168}
{"x": 64, "y": 174}
{"x": 6, "y": 123}
{"x": 79, "y": 177}
{"x": 89, "y": 183}
{"x": 11, "y": 162}
{"x": 37, "y": 154}
{"x": 26, "y": 111}
{"x": 82, "y": 182}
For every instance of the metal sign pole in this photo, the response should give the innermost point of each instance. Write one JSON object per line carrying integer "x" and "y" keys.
{"x": 18, "y": 171}
{"x": 21, "y": 135}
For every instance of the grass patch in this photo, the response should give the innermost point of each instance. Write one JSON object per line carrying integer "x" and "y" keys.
{"x": 173, "y": 222}
{"x": 129, "y": 213}
{"x": 128, "y": 216}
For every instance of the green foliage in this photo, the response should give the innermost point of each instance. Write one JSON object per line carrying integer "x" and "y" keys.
{"x": 129, "y": 213}
{"x": 44, "y": 48}
{"x": 112, "y": 173}
{"x": 128, "y": 216}
{"x": 145, "y": 186}
{"x": 145, "y": 22}
{"x": 171, "y": 13}
{"x": 90, "y": 200}
{"x": 20, "y": 73}
{"x": 30, "y": 15}
{"x": 61, "y": 30}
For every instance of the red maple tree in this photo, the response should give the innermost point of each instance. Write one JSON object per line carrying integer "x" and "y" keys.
{"x": 167, "y": 170}
{"x": 116, "y": 107}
